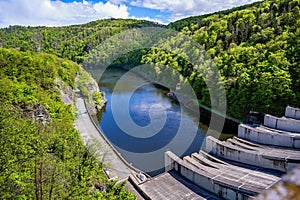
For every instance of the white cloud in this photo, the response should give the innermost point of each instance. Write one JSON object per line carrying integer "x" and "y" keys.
{"x": 193, "y": 6}
{"x": 164, "y": 5}
{"x": 157, "y": 20}
{"x": 111, "y": 10}
{"x": 183, "y": 8}
{"x": 54, "y": 13}
{"x": 119, "y": 1}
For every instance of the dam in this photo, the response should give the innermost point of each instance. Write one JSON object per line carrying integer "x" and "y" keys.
{"x": 240, "y": 168}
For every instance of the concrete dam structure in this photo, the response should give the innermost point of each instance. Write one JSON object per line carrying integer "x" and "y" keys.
{"x": 240, "y": 168}
{"x": 293, "y": 113}
{"x": 275, "y": 131}
{"x": 245, "y": 166}
{"x": 264, "y": 135}
{"x": 245, "y": 152}
{"x": 283, "y": 123}
{"x": 218, "y": 177}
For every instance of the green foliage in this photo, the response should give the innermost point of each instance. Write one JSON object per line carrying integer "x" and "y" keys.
{"x": 84, "y": 82}
{"x": 98, "y": 96}
{"x": 71, "y": 42}
{"x": 181, "y": 24}
{"x": 40, "y": 161}
{"x": 255, "y": 47}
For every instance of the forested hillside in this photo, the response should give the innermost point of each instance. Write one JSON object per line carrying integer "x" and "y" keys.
{"x": 255, "y": 47}
{"x": 180, "y": 24}
{"x": 257, "y": 51}
{"x": 42, "y": 155}
{"x": 70, "y": 42}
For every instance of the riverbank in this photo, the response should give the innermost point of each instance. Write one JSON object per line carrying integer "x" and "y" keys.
{"x": 94, "y": 98}
{"x": 90, "y": 135}
{"x": 145, "y": 147}
{"x": 87, "y": 105}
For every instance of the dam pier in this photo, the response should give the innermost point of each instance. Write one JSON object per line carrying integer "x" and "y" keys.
{"x": 239, "y": 168}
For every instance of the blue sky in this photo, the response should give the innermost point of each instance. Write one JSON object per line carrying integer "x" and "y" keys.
{"x": 66, "y": 12}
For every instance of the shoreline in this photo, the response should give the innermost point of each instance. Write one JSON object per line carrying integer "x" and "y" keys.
{"x": 117, "y": 165}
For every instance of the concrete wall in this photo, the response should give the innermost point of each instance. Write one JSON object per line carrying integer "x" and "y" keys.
{"x": 285, "y": 124}
{"x": 132, "y": 180}
{"x": 204, "y": 179}
{"x": 292, "y": 112}
{"x": 217, "y": 148}
{"x": 268, "y": 137}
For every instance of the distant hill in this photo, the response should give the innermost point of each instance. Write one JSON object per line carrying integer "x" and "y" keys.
{"x": 71, "y": 42}
{"x": 180, "y": 24}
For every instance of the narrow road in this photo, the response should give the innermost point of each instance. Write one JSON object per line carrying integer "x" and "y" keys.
{"x": 90, "y": 134}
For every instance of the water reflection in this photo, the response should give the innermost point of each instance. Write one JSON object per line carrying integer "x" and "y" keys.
{"x": 181, "y": 132}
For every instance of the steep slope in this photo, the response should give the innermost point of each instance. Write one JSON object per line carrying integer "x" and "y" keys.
{"x": 42, "y": 156}
{"x": 255, "y": 47}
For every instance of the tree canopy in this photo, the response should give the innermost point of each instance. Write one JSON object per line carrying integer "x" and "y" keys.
{"x": 256, "y": 49}
{"x": 44, "y": 160}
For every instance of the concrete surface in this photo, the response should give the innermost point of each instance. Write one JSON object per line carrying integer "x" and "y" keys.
{"x": 171, "y": 185}
{"x": 292, "y": 112}
{"x": 91, "y": 134}
{"x": 232, "y": 183}
{"x": 283, "y": 123}
{"x": 268, "y": 136}
{"x": 242, "y": 151}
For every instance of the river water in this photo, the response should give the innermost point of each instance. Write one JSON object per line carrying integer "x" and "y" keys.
{"x": 149, "y": 125}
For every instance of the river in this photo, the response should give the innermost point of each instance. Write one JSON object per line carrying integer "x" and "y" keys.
{"x": 160, "y": 124}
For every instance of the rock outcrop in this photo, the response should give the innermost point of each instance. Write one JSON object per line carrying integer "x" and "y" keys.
{"x": 37, "y": 112}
